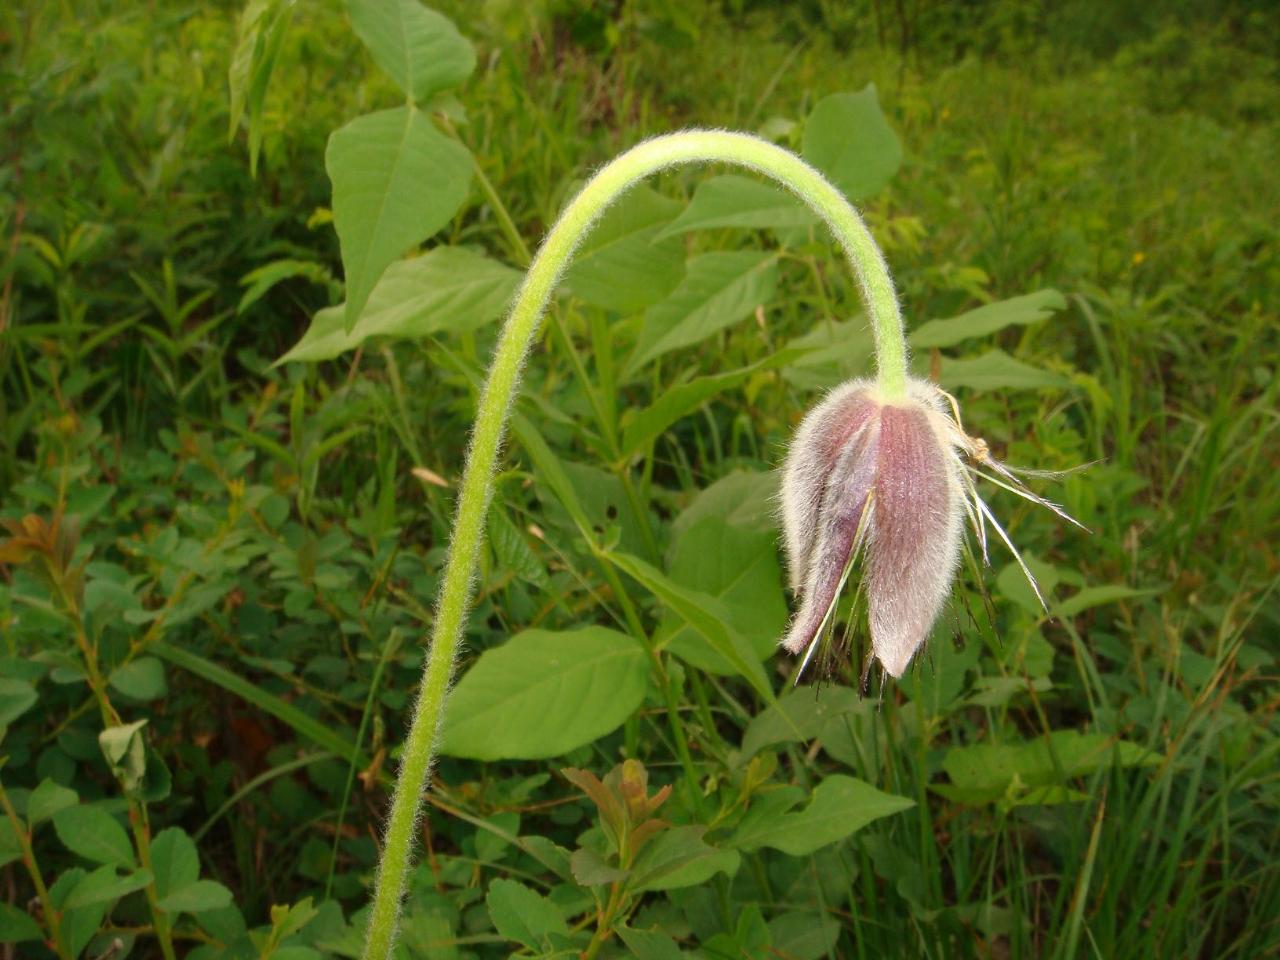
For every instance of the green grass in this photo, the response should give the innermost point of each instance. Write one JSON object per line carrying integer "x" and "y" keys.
{"x": 258, "y": 532}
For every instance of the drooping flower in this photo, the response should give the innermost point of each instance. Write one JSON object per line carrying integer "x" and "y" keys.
{"x": 888, "y": 482}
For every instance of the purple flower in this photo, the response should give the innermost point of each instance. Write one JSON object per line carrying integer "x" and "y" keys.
{"x": 888, "y": 483}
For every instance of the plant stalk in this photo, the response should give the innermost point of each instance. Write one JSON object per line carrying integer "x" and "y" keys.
{"x": 519, "y": 331}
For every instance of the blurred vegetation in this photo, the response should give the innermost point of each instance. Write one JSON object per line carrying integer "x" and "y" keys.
{"x": 243, "y": 555}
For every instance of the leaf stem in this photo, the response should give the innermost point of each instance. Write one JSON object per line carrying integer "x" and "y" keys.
{"x": 518, "y": 333}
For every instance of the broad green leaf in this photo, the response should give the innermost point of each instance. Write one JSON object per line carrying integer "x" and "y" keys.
{"x": 94, "y": 834}
{"x": 799, "y": 716}
{"x": 174, "y": 861}
{"x": 396, "y": 181}
{"x": 622, "y": 265}
{"x": 739, "y": 568}
{"x": 735, "y": 201}
{"x": 46, "y": 800}
{"x": 104, "y": 885}
{"x": 648, "y": 944}
{"x": 684, "y": 398}
{"x": 996, "y": 370}
{"x": 986, "y": 771}
{"x": 804, "y": 936}
{"x": 741, "y": 499}
{"x": 16, "y": 698}
{"x": 521, "y": 915}
{"x": 719, "y": 290}
{"x": 197, "y": 897}
{"x": 1018, "y": 311}
{"x": 78, "y": 925}
{"x": 17, "y": 926}
{"x": 705, "y": 614}
{"x": 421, "y": 50}
{"x": 447, "y": 288}
{"x": 544, "y": 693}
{"x": 835, "y": 351}
{"x": 141, "y": 679}
{"x": 840, "y": 806}
{"x": 600, "y": 506}
{"x": 679, "y": 857}
{"x": 847, "y": 138}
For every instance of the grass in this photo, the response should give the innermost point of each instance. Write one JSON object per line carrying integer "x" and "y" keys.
{"x": 259, "y": 529}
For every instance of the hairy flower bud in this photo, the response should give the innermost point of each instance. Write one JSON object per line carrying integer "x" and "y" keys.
{"x": 878, "y": 479}
{"x": 886, "y": 483}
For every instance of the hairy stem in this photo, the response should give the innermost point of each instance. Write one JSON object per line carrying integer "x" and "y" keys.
{"x": 700, "y": 146}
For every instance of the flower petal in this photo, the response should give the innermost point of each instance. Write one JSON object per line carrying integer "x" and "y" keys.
{"x": 810, "y": 460}
{"x": 844, "y": 496}
{"x": 915, "y": 536}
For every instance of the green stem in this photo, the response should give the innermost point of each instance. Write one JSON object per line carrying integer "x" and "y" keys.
{"x": 495, "y": 402}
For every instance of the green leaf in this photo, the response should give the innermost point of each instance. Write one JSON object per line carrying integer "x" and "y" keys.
{"x": 79, "y": 925}
{"x": 840, "y": 806}
{"x": 679, "y": 858}
{"x": 705, "y": 614}
{"x": 141, "y": 679}
{"x": 396, "y": 181}
{"x": 197, "y": 897}
{"x": 10, "y": 846}
{"x": 445, "y": 289}
{"x": 544, "y": 693}
{"x": 681, "y": 400}
{"x": 512, "y": 550}
{"x": 104, "y": 885}
{"x": 17, "y": 926}
{"x": 735, "y": 201}
{"x": 421, "y": 49}
{"x": 804, "y": 936}
{"x": 94, "y": 834}
{"x": 622, "y": 265}
{"x": 740, "y": 569}
{"x": 16, "y": 698}
{"x": 1017, "y": 311}
{"x": 996, "y": 370}
{"x": 648, "y": 944}
{"x": 259, "y": 36}
{"x": 522, "y": 915}
{"x": 47, "y": 799}
{"x": 848, "y": 139}
{"x": 261, "y": 280}
{"x": 174, "y": 861}
{"x": 799, "y": 716}
{"x": 719, "y": 290}
{"x": 835, "y": 351}
{"x": 985, "y": 771}
{"x": 126, "y": 752}
{"x": 742, "y": 498}
{"x": 1091, "y": 597}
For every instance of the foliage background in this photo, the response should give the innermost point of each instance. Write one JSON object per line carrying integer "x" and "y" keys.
{"x": 245, "y": 553}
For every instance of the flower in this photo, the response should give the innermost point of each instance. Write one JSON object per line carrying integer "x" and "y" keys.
{"x": 888, "y": 482}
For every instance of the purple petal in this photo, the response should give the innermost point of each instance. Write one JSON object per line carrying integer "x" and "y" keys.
{"x": 915, "y": 537}
{"x": 811, "y": 459}
{"x": 838, "y": 515}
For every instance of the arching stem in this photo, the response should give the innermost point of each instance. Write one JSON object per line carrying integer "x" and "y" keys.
{"x": 519, "y": 331}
